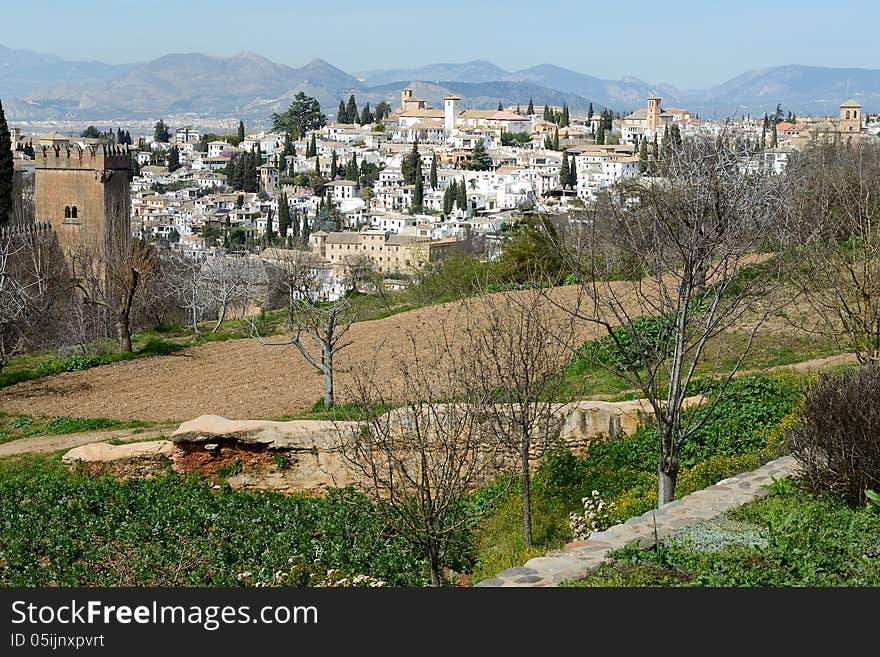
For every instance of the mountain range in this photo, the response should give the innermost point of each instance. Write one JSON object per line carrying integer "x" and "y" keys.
{"x": 37, "y": 86}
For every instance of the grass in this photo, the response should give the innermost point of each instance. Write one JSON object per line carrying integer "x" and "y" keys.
{"x": 13, "y": 427}
{"x": 810, "y": 542}
{"x": 584, "y": 379}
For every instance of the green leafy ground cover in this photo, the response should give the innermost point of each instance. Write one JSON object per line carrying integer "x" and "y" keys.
{"x": 805, "y": 541}
{"x": 63, "y": 529}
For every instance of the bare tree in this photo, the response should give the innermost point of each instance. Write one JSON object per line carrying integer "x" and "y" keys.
{"x": 30, "y": 281}
{"x": 186, "y": 281}
{"x": 113, "y": 277}
{"x": 684, "y": 246}
{"x": 317, "y": 328}
{"x": 357, "y": 271}
{"x": 231, "y": 280}
{"x": 519, "y": 344}
{"x": 421, "y": 460}
{"x": 836, "y": 229}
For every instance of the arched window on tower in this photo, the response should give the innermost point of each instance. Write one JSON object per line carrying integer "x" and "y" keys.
{"x": 847, "y": 113}
{"x": 67, "y": 212}
{"x": 73, "y": 212}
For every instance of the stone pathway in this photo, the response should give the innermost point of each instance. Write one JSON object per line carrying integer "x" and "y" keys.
{"x": 578, "y": 558}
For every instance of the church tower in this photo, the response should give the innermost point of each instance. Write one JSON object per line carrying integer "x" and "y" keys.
{"x": 85, "y": 195}
{"x": 450, "y": 113}
{"x": 653, "y": 116}
{"x": 850, "y": 117}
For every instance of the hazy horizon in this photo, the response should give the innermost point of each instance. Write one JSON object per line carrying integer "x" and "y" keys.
{"x": 697, "y": 46}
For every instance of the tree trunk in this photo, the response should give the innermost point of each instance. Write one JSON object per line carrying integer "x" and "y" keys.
{"x": 434, "y": 561}
{"x": 123, "y": 335}
{"x": 526, "y": 494}
{"x": 327, "y": 360}
{"x": 667, "y": 474}
{"x": 220, "y": 317}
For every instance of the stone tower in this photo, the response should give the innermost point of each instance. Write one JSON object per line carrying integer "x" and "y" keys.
{"x": 850, "y": 117}
{"x": 405, "y": 96}
{"x": 84, "y": 194}
{"x": 653, "y": 115}
{"x": 450, "y": 112}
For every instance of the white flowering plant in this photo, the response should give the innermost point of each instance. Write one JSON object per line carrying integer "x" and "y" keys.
{"x": 299, "y": 572}
{"x": 597, "y": 517}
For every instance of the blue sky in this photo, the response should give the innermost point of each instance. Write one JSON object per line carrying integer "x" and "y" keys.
{"x": 686, "y": 43}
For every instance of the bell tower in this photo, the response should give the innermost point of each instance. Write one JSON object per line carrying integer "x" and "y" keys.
{"x": 653, "y": 116}
{"x": 850, "y": 117}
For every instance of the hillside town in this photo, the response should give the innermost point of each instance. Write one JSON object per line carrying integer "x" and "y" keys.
{"x": 404, "y": 186}
{"x": 507, "y": 295}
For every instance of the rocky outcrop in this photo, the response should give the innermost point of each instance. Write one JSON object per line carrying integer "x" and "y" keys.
{"x": 296, "y": 435}
{"x": 303, "y": 455}
{"x": 129, "y": 460}
{"x": 106, "y": 453}
{"x": 585, "y": 421}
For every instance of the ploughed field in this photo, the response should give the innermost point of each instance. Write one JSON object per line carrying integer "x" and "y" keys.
{"x": 240, "y": 378}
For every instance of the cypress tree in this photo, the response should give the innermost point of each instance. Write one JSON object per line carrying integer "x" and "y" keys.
{"x": 773, "y": 136}
{"x": 600, "y": 134}
{"x": 351, "y": 110}
{"x": 666, "y": 147}
{"x": 366, "y": 115}
{"x": 317, "y": 165}
{"x": 433, "y": 174}
{"x": 531, "y": 108}
{"x": 7, "y": 170}
{"x": 556, "y": 138}
{"x": 565, "y": 116}
{"x": 306, "y": 229}
{"x": 283, "y": 215}
{"x": 252, "y": 178}
{"x": 230, "y": 173}
{"x": 418, "y": 194}
{"x": 173, "y": 162}
{"x": 573, "y": 172}
{"x": 643, "y": 155}
{"x": 240, "y": 131}
{"x": 270, "y": 231}
{"x": 547, "y": 115}
{"x": 519, "y": 110}
{"x": 294, "y": 224}
{"x": 447, "y": 200}
{"x": 341, "y": 114}
{"x": 590, "y": 112}
{"x": 461, "y": 193}
{"x": 564, "y": 171}
{"x": 500, "y": 106}
{"x": 313, "y": 145}
{"x": 333, "y": 166}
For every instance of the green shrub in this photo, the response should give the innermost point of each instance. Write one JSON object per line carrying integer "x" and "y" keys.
{"x": 629, "y": 348}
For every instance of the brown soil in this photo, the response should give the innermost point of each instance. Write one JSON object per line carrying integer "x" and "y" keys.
{"x": 236, "y": 379}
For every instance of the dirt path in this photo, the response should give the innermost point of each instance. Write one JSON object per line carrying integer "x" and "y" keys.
{"x": 44, "y": 444}
{"x": 813, "y": 364}
{"x": 238, "y": 379}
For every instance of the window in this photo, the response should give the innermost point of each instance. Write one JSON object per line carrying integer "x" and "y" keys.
{"x": 847, "y": 113}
